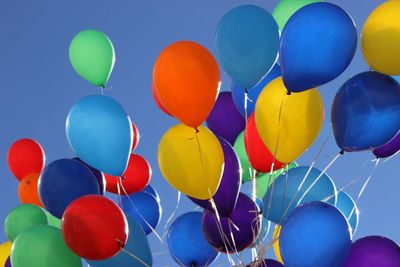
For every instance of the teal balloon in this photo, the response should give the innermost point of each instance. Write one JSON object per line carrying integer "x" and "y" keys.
{"x": 265, "y": 226}
{"x": 137, "y": 245}
{"x": 348, "y": 207}
{"x": 100, "y": 133}
{"x": 247, "y": 43}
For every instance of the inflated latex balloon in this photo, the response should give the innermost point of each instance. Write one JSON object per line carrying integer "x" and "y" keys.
{"x": 63, "y": 181}
{"x": 244, "y": 217}
{"x": 98, "y": 174}
{"x": 366, "y": 111}
{"x": 315, "y": 234}
{"x": 192, "y": 161}
{"x": 158, "y": 101}
{"x": 150, "y": 190}
{"x": 42, "y": 246}
{"x": 288, "y": 124}
{"x": 136, "y": 136}
{"x": 262, "y": 235}
{"x": 374, "y": 251}
{"x": 247, "y": 171}
{"x": 22, "y": 218}
{"x": 92, "y": 56}
{"x": 186, "y": 242}
{"x": 135, "y": 178}
{"x": 247, "y": 43}
{"x": 239, "y": 93}
{"x": 94, "y": 227}
{"x": 275, "y": 236}
{"x": 186, "y": 80}
{"x": 228, "y": 190}
{"x": 8, "y": 262}
{"x": 285, "y": 194}
{"x": 28, "y": 190}
{"x": 348, "y": 207}
{"x": 5, "y": 249}
{"x": 327, "y": 38}
{"x": 266, "y": 263}
{"x": 388, "y": 149}
{"x": 24, "y": 157}
{"x": 137, "y": 245}
{"x": 380, "y": 39}
{"x": 100, "y": 133}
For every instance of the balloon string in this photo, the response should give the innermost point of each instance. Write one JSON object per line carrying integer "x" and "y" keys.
{"x": 102, "y": 90}
{"x": 172, "y": 215}
{"x": 135, "y": 257}
{"x": 233, "y": 239}
{"x": 284, "y": 190}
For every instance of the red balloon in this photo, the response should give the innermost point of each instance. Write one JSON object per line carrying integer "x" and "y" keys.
{"x": 259, "y": 156}
{"x": 94, "y": 227}
{"x": 136, "y": 136}
{"x": 135, "y": 178}
{"x": 25, "y": 157}
{"x": 158, "y": 101}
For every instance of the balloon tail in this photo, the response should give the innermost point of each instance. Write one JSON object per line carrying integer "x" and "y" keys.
{"x": 135, "y": 257}
{"x": 172, "y": 215}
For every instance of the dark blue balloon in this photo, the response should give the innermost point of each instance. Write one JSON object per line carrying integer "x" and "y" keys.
{"x": 238, "y": 93}
{"x": 366, "y": 111}
{"x": 150, "y": 190}
{"x": 186, "y": 241}
{"x": 98, "y": 174}
{"x": 315, "y": 234}
{"x": 144, "y": 208}
{"x": 317, "y": 44}
{"x": 63, "y": 181}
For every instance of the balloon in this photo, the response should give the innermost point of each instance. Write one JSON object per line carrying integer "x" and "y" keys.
{"x": 380, "y": 38}
{"x": 288, "y": 124}
{"x": 94, "y": 227}
{"x": 374, "y": 251}
{"x": 5, "y": 250}
{"x": 136, "y": 136}
{"x": 247, "y": 43}
{"x": 53, "y": 221}
{"x": 63, "y": 181}
{"x": 315, "y": 234}
{"x": 42, "y": 246}
{"x": 238, "y": 93}
{"x": 348, "y": 207}
{"x": 24, "y": 157}
{"x": 192, "y": 162}
{"x": 224, "y": 119}
{"x": 186, "y": 80}
{"x": 92, "y": 56}
{"x": 275, "y": 236}
{"x": 266, "y": 263}
{"x": 186, "y": 242}
{"x": 135, "y": 178}
{"x": 137, "y": 245}
{"x": 150, "y": 190}
{"x": 98, "y": 174}
{"x": 144, "y": 208}
{"x": 22, "y": 218}
{"x": 286, "y": 8}
{"x": 240, "y": 150}
{"x": 8, "y": 262}
{"x": 100, "y": 133}
{"x": 227, "y": 194}
{"x": 244, "y": 217}
{"x": 28, "y": 190}
{"x": 388, "y": 149}
{"x": 366, "y": 111}
{"x": 284, "y": 195}
{"x": 327, "y": 38}
{"x": 157, "y": 100}
{"x": 261, "y": 159}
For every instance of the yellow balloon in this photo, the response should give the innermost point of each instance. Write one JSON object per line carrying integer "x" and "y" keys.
{"x": 277, "y": 250}
{"x": 288, "y": 124}
{"x": 5, "y": 250}
{"x": 190, "y": 164}
{"x": 380, "y": 38}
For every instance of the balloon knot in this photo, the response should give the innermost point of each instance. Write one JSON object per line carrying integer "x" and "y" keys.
{"x": 120, "y": 243}
{"x": 246, "y": 91}
{"x": 196, "y": 129}
{"x": 288, "y": 93}
{"x": 341, "y": 152}
{"x": 122, "y": 177}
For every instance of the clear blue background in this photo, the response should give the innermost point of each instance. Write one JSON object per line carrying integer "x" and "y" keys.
{"x": 38, "y": 86}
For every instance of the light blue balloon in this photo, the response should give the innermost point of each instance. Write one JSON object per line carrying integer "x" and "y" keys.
{"x": 285, "y": 187}
{"x": 247, "y": 43}
{"x": 397, "y": 78}
{"x": 100, "y": 133}
{"x": 317, "y": 45}
{"x": 137, "y": 245}
{"x": 348, "y": 207}
{"x": 262, "y": 235}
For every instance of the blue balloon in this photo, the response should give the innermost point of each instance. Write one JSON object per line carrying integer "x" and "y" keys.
{"x": 144, "y": 208}
{"x": 238, "y": 93}
{"x": 397, "y": 78}
{"x": 247, "y": 43}
{"x": 63, "y": 181}
{"x": 137, "y": 245}
{"x": 150, "y": 190}
{"x": 348, "y": 207}
{"x": 99, "y": 176}
{"x": 187, "y": 243}
{"x": 317, "y": 45}
{"x": 285, "y": 189}
{"x": 100, "y": 133}
{"x": 315, "y": 234}
{"x": 366, "y": 111}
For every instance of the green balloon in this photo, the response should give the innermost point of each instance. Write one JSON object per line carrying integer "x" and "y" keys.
{"x": 53, "y": 221}
{"x": 286, "y": 8}
{"x": 243, "y": 158}
{"x": 92, "y": 55}
{"x": 22, "y": 218}
{"x": 42, "y": 246}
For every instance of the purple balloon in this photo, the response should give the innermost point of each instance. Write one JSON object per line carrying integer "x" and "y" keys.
{"x": 225, "y": 120}
{"x": 8, "y": 262}
{"x": 374, "y": 251}
{"x": 243, "y": 223}
{"x": 266, "y": 263}
{"x": 227, "y": 194}
{"x": 98, "y": 174}
{"x": 388, "y": 149}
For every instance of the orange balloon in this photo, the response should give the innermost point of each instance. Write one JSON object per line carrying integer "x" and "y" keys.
{"x": 186, "y": 79}
{"x": 28, "y": 191}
